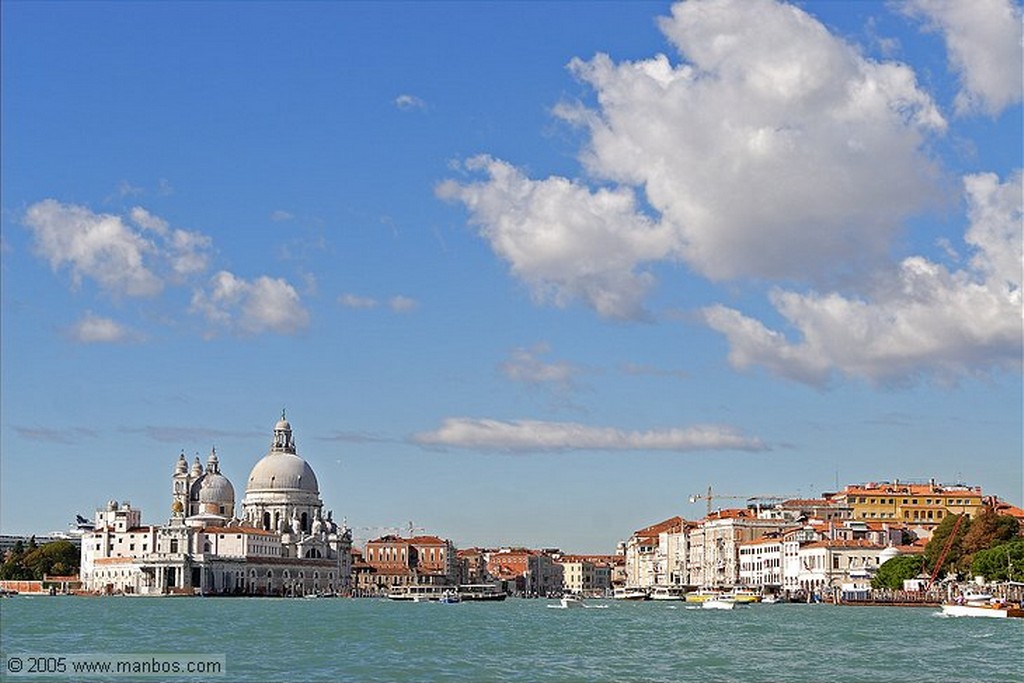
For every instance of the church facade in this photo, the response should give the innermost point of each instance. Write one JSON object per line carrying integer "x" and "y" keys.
{"x": 281, "y": 543}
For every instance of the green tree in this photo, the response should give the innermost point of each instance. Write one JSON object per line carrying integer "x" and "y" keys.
{"x": 59, "y": 557}
{"x": 46, "y": 557}
{"x": 988, "y": 530}
{"x": 938, "y": 542}
{"x": 1004, "y": 562}
{"x": 896, "y": 570}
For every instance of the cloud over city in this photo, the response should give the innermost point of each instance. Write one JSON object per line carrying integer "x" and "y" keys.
{"x": 538, "y": 435}
{"x": 772, "y": 151}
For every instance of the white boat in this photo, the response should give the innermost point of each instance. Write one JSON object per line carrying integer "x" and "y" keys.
{"x": 770, "y": 600}
{"x": 982, "y": 605}
{"x": 450, "y": 597}
{"x": 718, "y": 603}
{"x": 630, "y": 594}
{"x": 668, "y": 593}
{"x": 571, "y": 602}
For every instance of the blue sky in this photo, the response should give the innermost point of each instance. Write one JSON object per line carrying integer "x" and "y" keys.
{"x": 523, "y": 273}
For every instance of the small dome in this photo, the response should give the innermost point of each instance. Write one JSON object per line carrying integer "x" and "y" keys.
{"x": 215, "y": 488}
{"x": 279, "y": 470}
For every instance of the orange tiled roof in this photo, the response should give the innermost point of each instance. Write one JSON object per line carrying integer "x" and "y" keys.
{"x": 670, "y": 525}
{"x": 910, "y": 489}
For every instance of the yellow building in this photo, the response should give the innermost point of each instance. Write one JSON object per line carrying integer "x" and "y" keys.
{"x": 914, "y": 504}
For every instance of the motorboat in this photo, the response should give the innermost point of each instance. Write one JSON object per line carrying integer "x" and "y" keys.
{"x": 668, "y": 593}
{"x": 982, "y": 605}
{"x": 628, "y": 593}
{"x": 450, "y": 597}
{"x": 483, "y": 592}
{"x": 571, "y": 602}
{"x": 702, "y": 595}
{"x": 718, "y": 603}
{"x": 745, "y": 597}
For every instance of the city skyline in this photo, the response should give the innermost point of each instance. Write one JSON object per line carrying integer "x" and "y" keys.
{"x": 519, "y": 274}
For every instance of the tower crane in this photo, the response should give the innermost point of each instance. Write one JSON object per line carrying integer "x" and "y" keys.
{"x": 710, "y": 495}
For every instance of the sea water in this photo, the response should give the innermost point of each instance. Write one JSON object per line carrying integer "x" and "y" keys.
{"x": 264, "y": 639}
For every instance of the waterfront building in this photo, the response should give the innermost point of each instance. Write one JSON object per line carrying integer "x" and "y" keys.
{"x": 713, "y": 551}
{"x": 527, "y": 572}
{"x": 828, "y": 565}
{"x": 761, "y": 563}
{"x": 418, "y": 560}
{"x": 923, "y": 506}
{"x": 472, "y": 566}
{"x": 577, "y": 575}
{"x": 655, "y": 555}
{"x": 282, "y": 544}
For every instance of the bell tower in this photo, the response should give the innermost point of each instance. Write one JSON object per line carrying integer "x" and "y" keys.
{"x": 180, "y": 488}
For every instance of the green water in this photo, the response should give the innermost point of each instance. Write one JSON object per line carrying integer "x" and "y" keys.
{"x": 522, "y": 640}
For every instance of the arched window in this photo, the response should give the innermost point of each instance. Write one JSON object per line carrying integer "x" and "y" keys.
{"x": 266, "y": 521}
{"x": 305, "y": 521}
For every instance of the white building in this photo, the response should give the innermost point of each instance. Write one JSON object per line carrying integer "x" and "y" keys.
{"x": 282, "y": 544}
{"x": 648, "y": 562}
{"x": 714, "y": 559}
{"x": 833, "y": 564}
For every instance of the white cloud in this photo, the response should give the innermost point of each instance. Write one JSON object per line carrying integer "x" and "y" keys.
{"x": 927, "y": 319}
{"x": 563, "y": 239}
{"x": 357, "y": 302}
{"x": 94, "y": 329}
{"x": 280, "y": 216}
{"x": 533, "y": 435}
{"x": 402, "y": 304}
{"x": 125, "y": 258}
{"x": 525, "y": 365}
{"x": 983, "y": 39}
{"x": 100, "y": 247}
{"x": 407, "y": 102}
{"x": 774, "y": 150}
{"x": 251, "y": 306}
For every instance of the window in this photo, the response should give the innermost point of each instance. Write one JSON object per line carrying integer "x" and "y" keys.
{"x": 174, "y": 545}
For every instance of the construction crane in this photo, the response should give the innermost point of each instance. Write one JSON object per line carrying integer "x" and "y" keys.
{"x": 711, "y": 495}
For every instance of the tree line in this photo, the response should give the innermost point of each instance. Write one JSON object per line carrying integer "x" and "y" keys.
{"x": 988, "y": 545}
{"x": 31, "y": 562}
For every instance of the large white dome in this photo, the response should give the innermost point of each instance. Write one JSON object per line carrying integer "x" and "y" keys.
{"x": 278, "y": 470}
{"x": 281, "y": 468}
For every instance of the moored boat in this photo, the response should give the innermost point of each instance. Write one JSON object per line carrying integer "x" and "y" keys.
{"x": 702, "y": 595}
{"x": 668, "y": 593}
{"x": 744, "y": 597}
{"x": 979, "y": 605}
{"x": 628, "y": 593}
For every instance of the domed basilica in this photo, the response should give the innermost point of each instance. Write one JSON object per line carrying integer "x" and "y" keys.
{"x": 282, "y": 543}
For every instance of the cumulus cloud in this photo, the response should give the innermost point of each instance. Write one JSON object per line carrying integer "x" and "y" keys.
{"x": 133, "y": 257}
{"x": 526, "y": 365}
{"x": 100, "y": 247}
{"x": 407, "y": 102}
{"x": 983, "y": 39}
{"x": 533, "y": 435}
{"x": 772, "y": 150}
{"x": 926, "y": 319}
{"x": 94, "y": 329}
{"x": 251, "y": 306}
{"x": 563, "y": 239}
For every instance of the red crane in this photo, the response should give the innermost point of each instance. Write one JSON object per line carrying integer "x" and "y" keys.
{"x": 945, "y": 551}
